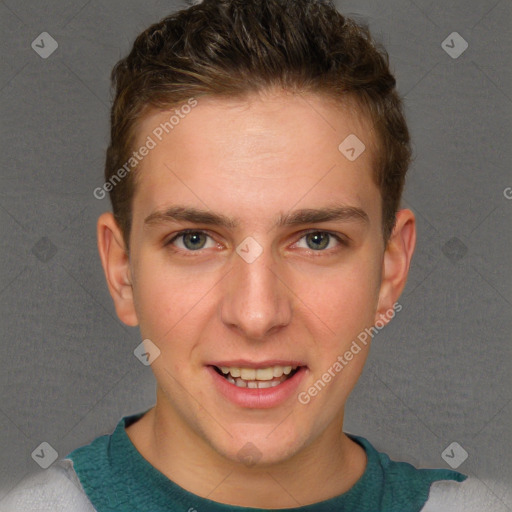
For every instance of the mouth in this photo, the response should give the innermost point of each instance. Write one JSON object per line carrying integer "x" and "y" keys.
{"x": 262, "y": 385}
{"x": 257, "y": 378}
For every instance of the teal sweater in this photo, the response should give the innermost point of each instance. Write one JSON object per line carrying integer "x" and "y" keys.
{"x": 116, "y": 478}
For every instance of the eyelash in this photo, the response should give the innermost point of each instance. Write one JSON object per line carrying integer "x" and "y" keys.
{"x": 342, "y": 241}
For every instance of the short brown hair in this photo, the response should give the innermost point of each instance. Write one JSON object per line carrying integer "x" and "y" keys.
{"x": 234, "y": 47}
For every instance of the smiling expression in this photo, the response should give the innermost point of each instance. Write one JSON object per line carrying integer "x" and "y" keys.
{"x": 256, "y": 245}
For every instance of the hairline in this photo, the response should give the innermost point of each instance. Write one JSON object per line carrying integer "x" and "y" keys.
{"x": 350, "y": 101}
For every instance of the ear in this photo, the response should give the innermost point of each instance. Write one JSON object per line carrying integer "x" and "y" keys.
{"x": 116, "y": 264}
{"x": 395, "y": 267}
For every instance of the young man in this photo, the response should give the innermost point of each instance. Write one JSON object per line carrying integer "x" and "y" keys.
{"x": 257, "y": 158}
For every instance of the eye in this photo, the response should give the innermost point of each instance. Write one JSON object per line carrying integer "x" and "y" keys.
{"x": 190, "y": 240}
{"x": 319, "y": 241}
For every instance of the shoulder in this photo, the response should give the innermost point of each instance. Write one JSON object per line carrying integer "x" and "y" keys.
{"x": 56, "y": 489}
{"x": 398, "y": 485}
{"x": 440, "y": 490}
{"x": 471, "y": 495}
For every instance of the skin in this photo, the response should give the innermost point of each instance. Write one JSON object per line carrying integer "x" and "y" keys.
{"x": 253, "y": 159}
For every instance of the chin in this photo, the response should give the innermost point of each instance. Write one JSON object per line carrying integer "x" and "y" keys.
{"x": 258, "y": 445}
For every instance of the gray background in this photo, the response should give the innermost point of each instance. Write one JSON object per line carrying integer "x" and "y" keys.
{"x": 439, "y": 373}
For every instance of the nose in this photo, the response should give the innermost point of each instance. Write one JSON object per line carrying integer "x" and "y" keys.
{"x": 256, "y": 302}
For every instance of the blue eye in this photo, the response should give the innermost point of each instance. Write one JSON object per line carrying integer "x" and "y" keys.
{"x": 320, "y": 240}
{"x": 192, "y": 240}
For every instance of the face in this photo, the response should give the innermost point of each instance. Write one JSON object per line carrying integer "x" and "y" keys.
{"x": 279, "y": 271}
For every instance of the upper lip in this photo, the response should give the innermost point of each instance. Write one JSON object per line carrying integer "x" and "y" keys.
{"x": 244, "y": 363}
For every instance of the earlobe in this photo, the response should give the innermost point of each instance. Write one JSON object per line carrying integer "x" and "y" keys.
{"x": 397, "y": 260}
{"x": 116, "y": 265}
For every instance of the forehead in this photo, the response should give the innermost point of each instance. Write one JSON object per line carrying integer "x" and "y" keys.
{"x": 272, "y": 149}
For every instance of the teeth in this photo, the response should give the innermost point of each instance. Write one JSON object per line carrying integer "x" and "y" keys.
{"x": 264, "y": 373}
{"x": 241, "y": 383}
{"x": 257, "y": 378}
{"x": 259, "y": 374}
{"x": 254, "y": 384}
{"x": 248, "y": 373}
{"x": 278, "y": 371}
{"x": 264, "y": 384}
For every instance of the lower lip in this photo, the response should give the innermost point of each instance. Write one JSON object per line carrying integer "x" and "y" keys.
{"x": 264, "y": 398}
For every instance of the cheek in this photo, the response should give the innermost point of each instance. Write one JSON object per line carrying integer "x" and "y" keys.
{"x": 341, "y": 302}
{"x": 167, "y": 300}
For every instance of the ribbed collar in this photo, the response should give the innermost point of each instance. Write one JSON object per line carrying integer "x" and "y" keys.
{"x": 116, "y": 477}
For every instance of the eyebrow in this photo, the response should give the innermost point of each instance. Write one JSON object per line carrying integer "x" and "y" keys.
{"x": 341, "y": 213}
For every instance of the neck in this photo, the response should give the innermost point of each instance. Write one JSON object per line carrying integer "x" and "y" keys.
{"x": 327, "y": 467}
